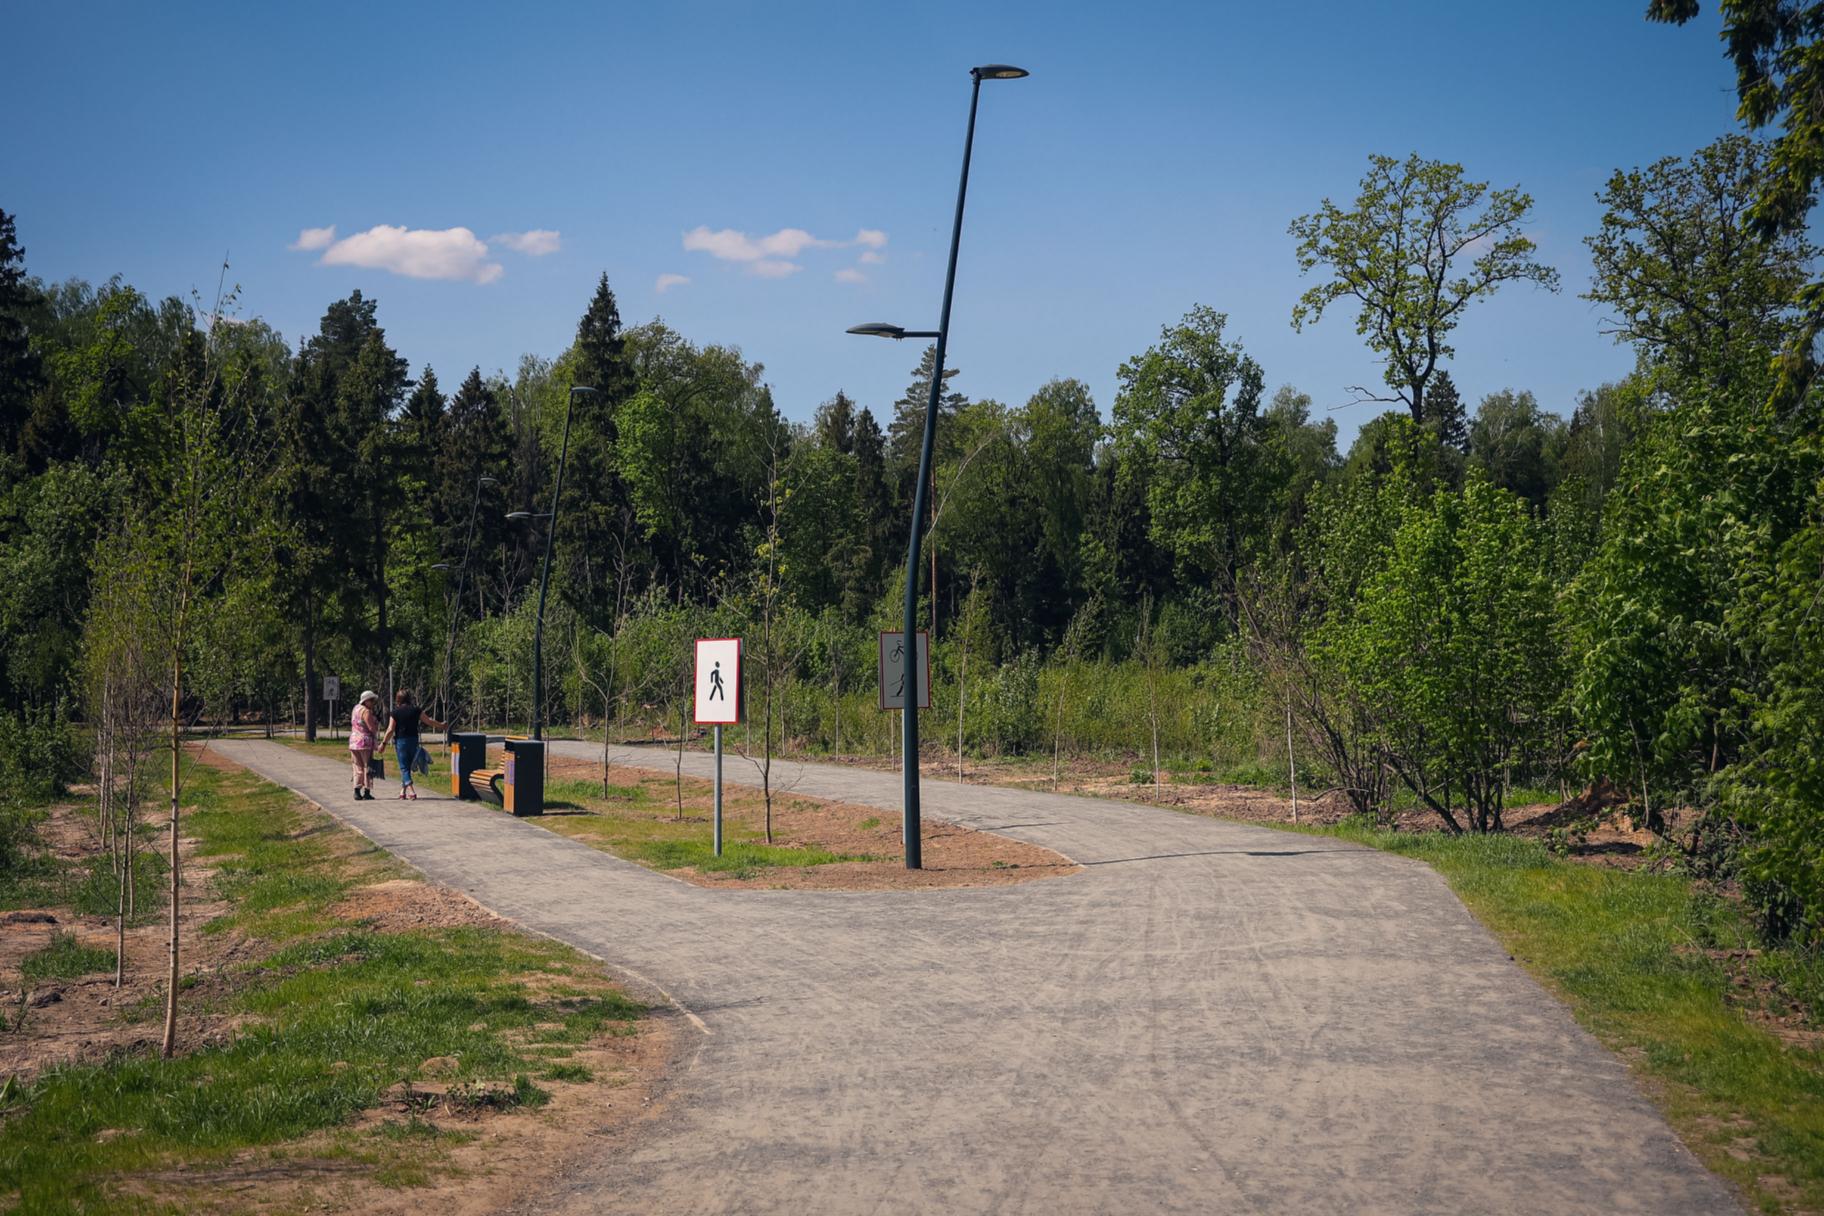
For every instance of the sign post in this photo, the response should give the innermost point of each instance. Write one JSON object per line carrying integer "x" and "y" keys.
{"x": 718, "y": 700}
{"x": 893, "y": 696}
{"x": 332, "y": 692}
{"x": 893, "y": 670}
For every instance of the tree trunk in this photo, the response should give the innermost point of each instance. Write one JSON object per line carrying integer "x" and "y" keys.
{"x": 169, "y": 1047}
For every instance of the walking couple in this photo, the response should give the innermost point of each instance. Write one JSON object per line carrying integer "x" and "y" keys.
{"x": 365, "y": 738}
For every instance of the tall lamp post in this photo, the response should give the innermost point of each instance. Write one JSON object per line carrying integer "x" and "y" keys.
{"x": 462, "y": 577}
{"x": 544, "y": 578}
{"x": 909, "y": 716}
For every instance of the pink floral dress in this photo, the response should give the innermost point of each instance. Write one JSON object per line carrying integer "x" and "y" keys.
{"x": 361, "y": 730}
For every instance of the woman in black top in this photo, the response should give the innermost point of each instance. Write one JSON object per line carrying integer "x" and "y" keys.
{"x": 403, "y": 729}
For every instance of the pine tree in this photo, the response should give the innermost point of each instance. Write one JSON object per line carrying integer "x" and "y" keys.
{"x": 421, "y": 438}
{"x": 1444, "y": 413}
{"x": 19, "y": 364}
{"x": 835, "y": 425}
{"x": 866, "y": 579}
{"x": 906, "y": 433}
{"x": 596, "y": 510}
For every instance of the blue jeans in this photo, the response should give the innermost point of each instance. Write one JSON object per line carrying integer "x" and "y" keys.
{"x": 406, "y": 750}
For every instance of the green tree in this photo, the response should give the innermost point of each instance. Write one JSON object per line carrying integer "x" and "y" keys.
{"x": 1693, "y": 284}
{"x": 1419, "y": 244}
{"x": 20, "y": 366}
{"x": 1451, "y": 650}
{"x": 1516, "y": 444}
{"x": 1444, "y": 413}
{"x": 1188, "y": 427}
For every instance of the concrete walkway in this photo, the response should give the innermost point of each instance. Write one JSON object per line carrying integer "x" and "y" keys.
{"x": 1209, "y": 1018}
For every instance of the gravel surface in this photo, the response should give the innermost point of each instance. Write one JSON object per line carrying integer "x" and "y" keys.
{"x": 1210, "y": 1017}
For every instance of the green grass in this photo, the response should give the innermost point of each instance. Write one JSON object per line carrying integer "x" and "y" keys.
{"x": 633, "y": 823}
{"x": 65, "y": 959}
{"x": 339, "y": 1014}
{"x": 1628, "y": 952}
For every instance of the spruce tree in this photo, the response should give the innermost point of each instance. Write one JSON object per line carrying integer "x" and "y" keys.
{"x": 906, "y": 433}
{"x": 596, "y": 510}
{"x": 1444, "y": 413}
{"x": 19, "y": 364}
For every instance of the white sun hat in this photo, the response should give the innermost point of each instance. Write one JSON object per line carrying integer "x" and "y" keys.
{"x": 369, "y": 695}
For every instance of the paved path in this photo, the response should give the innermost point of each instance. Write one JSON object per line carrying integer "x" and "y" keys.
{"x": 1210, "y": 1018}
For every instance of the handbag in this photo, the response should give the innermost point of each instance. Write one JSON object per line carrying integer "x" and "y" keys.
{"x": 376, "y": 767}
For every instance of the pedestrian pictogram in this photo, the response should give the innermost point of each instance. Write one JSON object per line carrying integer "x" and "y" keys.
{"x": 893, "y": 670}
{"x": 718, "y": 700}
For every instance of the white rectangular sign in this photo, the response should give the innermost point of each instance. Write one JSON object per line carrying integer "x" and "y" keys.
{"x": 718, "y": 681}
{"x": 332, "y": 688}
{"x": 893, "y": 670}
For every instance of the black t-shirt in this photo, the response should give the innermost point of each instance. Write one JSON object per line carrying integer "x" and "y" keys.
{"x": 405, "y": 721}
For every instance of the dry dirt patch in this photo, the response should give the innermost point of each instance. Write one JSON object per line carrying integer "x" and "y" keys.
{"x": 954, "y": 856}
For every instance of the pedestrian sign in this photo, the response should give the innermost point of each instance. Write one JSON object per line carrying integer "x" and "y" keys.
{"x": 332, "y": 688}
{"x": 718, "y": 701}
{"x": 893, "y": 670}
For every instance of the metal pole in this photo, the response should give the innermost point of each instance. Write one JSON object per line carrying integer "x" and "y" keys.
{"x": 718, "y": 791}
{"x": 911, "y": 827}
{"x": 544, "y": 578}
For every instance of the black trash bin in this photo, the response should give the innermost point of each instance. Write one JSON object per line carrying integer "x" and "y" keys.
{"x": 525, "y": 784}
{"x": 468, "y": 755}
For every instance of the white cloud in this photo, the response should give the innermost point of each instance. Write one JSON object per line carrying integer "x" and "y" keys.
{"x": 872, "y": 257}
{"x": 668, "y": 281}
{"x": 770, "y": 256}
{"x": 534, "y": 243}
{"x": 848, "y": 274}
{"x": 315, "y": 238}
{"x": 416, "y": 253}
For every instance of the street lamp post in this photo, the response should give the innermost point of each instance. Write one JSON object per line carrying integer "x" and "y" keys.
{"x": 909, "y": 716}
{"x": 462, "y": 576}
{"x": 544, "y": 578}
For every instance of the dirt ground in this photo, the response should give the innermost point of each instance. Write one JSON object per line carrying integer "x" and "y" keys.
{"x": 497, "y": 1158}
{"x": 52, "y": 1022}
{"x": 1593, "y": 829}
{"x": 953, "y": 856}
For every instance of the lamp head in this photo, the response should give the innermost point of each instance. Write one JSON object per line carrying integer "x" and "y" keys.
{"x": 518, "y": 515}
{"x": 580, "y": 388}
{"x": 440, "y": 566}
{"x": 998, "y": 71}
{"x": 878, "y": 329}
{"x": 486, "y": 481}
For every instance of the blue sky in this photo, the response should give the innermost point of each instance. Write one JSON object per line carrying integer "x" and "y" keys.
{"x": 1151, "y": 162}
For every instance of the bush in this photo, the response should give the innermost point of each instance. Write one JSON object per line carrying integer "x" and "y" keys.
{"x": 41, "y": 753}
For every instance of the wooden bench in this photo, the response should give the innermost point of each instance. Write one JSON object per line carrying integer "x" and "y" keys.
{"x": 489, "y": 785}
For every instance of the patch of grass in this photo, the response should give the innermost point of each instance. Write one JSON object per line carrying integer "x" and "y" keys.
{"x": 93, "y": 889}
{"x": 1628, "y": 950}
{"x": 65, "y": 959}
{"x": 641, "y": 828}
{"x": 336, "y": 1019}
{"x": 869, "y": 824}
{"x": 569, "y": 1072}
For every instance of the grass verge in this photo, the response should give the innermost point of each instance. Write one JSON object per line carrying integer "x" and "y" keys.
{"x": 1641, "y": 959}
{"x": 632, "y": 821}
{"x": 331, "y": 1013}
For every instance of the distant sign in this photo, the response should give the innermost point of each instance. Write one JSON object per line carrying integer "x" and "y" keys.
{"x": 718, "y": 681}
{"x": 893, "y": 670}
{"x": 332, "y": 688}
